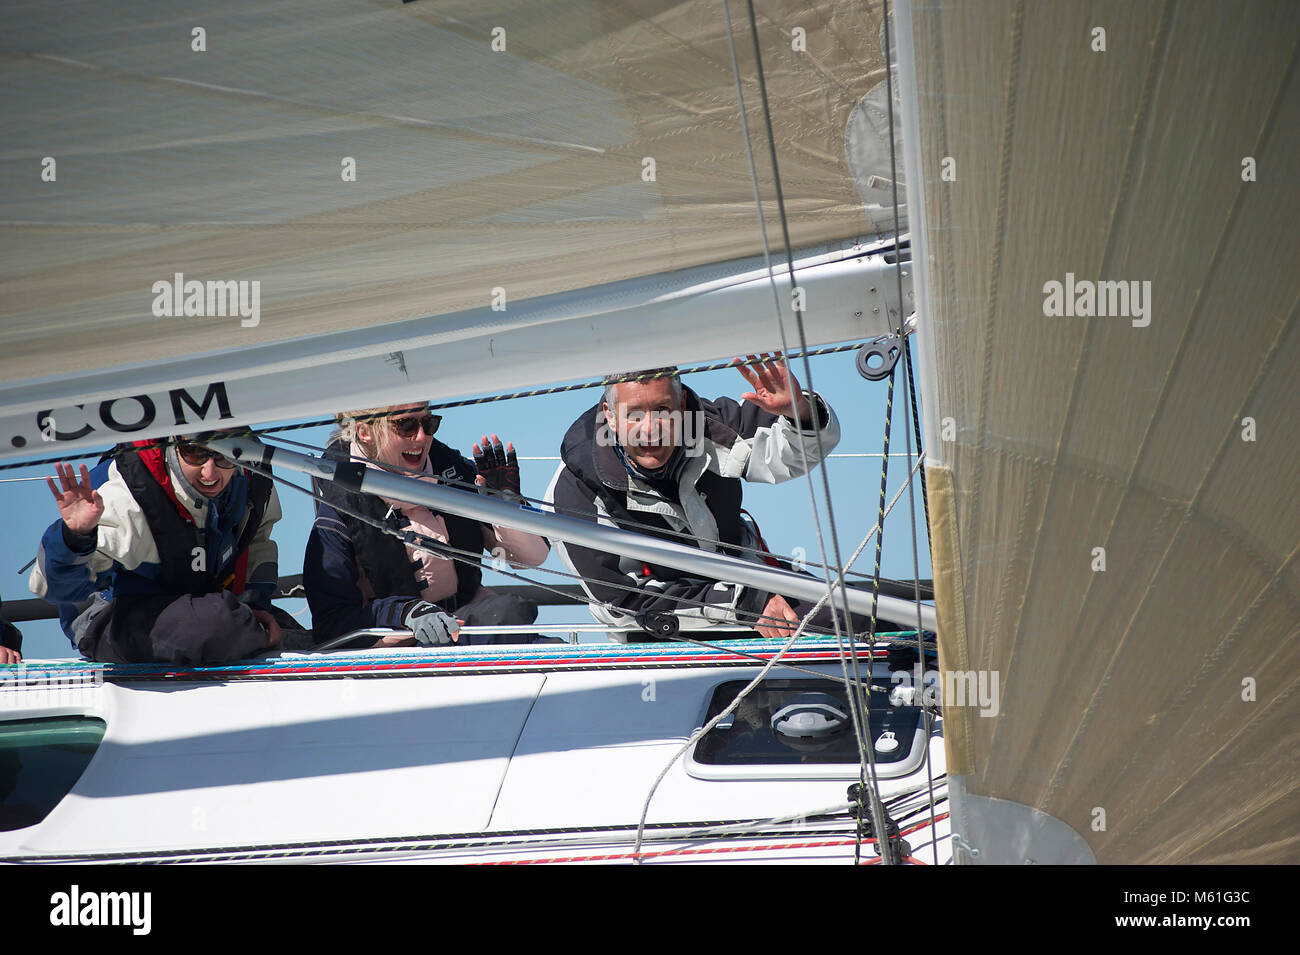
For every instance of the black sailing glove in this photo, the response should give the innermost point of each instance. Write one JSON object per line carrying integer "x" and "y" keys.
{"x": 431, "y": 626}
{"x": 499, "y": 468}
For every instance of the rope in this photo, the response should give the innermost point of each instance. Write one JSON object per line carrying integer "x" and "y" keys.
{"x": 462, "y": 403}
{"x": 554, "y": 836}
{"x": 731, "y": 708}
{"x": 909, "y": 381}
{"x": 440, "y": 549}
{"x": 866, "y": 752}
{"x": 910, "y": 385}
{"x": 875, "y": 587}
{"x": 628, "y": 523}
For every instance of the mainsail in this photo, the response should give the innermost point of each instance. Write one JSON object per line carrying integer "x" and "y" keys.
{"x": 1112, "y": 486}
{"x": 421, "y": 192}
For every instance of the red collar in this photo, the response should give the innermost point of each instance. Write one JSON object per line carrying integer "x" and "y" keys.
{"x": 154, "y": 458}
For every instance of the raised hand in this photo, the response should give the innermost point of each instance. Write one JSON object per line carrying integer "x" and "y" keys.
{"x": 80, "y": 505}
{"x": 498, "y": 468}
{"x": 775, "y": 388}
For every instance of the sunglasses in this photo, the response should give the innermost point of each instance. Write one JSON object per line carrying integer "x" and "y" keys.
{"x": 411, "y": 425}
{"x": 196, "y": 456}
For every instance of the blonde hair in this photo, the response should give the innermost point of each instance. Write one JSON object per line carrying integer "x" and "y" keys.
{"x": 347, "y": 422}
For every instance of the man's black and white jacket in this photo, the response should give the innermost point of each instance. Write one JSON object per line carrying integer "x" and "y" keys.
{"x": 737, "y": 441}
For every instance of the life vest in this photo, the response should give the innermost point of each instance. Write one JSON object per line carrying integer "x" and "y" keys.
{"x": 176, "y": 535}
{"x": 381, "y": 556}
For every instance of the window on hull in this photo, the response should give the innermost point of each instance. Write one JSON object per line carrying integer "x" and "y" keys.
{"x": 40, "y": 761}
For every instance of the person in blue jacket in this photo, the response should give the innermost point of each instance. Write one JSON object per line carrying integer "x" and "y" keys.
{"x": 162, "y": 553}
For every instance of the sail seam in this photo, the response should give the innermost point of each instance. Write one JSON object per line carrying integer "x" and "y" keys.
{"x": 1218, "y": 456}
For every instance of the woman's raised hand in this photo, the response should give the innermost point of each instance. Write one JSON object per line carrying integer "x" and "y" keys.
{"x": 498, "y": 468}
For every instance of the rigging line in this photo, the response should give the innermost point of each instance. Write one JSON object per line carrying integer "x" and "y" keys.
{"x": 833, "y": 456}
{"x": 909, "y": 379}
{"x": 880, "y": 535}
{"x": 439, "y": 549}
{"x": 663, "y": 532}
{"x": 731, "y": 708}
{"x": 580, "y": 386}
{"x": 559, "y": 509}
{"x": 831, "y": 815}
{"x": 910, "y": 386}
{"x": 538, "y": 392}
{"x": 526, "y": 838}
{"x": 861, "y": 723}
{"x": 776, "y": 302}
{"x": 861, "y": 726}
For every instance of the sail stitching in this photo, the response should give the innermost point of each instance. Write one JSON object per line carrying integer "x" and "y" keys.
{"x": 1196, "y": 313}
{"x": 995, "y": 267}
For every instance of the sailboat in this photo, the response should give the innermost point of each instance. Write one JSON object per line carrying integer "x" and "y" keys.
{"x": 549, "y": 185}
{"x": 502, "y": 199}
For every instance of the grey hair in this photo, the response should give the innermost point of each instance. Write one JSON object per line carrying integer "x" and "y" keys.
{"x": 611, "y": 382}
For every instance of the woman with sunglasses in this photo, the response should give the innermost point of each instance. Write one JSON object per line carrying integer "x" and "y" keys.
{"x": 358, "y": 576}
{"x": 163, "y": 553}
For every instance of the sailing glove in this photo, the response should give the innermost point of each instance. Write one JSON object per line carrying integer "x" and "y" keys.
{"x": 500, "y": 469}
{"x": 430, "y": 624}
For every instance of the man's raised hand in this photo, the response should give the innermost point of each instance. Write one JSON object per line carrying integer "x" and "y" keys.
{"x": 775, "y": 387}
{"x": 80, "y": 505}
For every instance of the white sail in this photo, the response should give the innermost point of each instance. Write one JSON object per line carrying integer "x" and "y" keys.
{"x": 1112, "y": 483}
{"x": 394, "y": 177}
{"x": 713, "y": 311}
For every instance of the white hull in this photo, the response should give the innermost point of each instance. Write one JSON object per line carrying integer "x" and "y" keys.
{"x": 512, "y": 754}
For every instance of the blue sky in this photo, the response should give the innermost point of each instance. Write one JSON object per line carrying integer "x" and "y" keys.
{"x": 536, "y": 426}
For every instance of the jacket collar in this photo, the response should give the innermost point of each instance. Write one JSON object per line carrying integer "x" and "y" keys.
{"x": 608, "y": 465}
